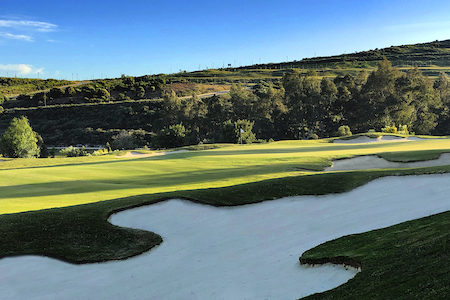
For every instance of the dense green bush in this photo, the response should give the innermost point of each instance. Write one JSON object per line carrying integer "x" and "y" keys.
{"x": 344, "y": 130}
{"x": 389, "y": 129}
{"x": 74, "y": 152}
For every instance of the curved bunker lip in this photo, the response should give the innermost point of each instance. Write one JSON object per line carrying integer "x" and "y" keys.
{"x": 248, "y": 251}
{"x": 374, "y": 162}
{"x": 138, "y": 154}
{"x": 383, "y": 138}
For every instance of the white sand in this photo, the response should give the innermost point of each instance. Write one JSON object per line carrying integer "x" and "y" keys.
{"x": 384, "y": 138}
{"x": 375, "y": 162}
{"x": 138, "y": 154}
{"x": 247, "y": 252}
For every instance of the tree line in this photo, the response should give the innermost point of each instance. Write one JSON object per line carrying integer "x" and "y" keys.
{"x": 305, "y": 106}
{"x": 299, "y": 106}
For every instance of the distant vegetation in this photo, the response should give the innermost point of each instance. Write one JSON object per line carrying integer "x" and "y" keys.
{"x": 15, "y": 86}
{"x": 289, "y": 103}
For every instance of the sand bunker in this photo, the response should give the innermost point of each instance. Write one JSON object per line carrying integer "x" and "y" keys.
{"x": 246, "y": 252}
{"x": 375, "y": 162}
{"x": 138, "y": 154}
{"x": 384, "y": 138}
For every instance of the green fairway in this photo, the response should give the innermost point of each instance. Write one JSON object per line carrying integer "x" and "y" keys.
{"x": 34, "y": 184}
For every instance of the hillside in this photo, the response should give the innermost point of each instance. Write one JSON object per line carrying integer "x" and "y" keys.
{"x": 360, "y": 91}
{"x": 431, "y": 58}
{"x": 435, "y": 53}
{"x": 10, "y": 86}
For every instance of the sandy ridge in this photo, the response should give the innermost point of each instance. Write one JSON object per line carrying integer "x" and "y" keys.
{"x": 384, "y": 138}
{"x": 142, "y": 155}
{"x": 375, "y": 162}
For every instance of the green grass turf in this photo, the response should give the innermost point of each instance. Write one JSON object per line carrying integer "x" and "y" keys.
{"x": 34, "y": 184}
{"x": 233, "y": 175}
{"x": 410, "y": 260}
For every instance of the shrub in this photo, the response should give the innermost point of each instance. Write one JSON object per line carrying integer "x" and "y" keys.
{"x": 403, "y": 129}
{"x": 74, "y": 152}
{"x": 100, "y": 152}
{"x": 389, "y": 129}
{"x": 44, "y": 151}
{"x": 344, "y": 130}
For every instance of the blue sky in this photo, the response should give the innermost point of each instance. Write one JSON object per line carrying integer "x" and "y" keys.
{"x": 94, "y": 39}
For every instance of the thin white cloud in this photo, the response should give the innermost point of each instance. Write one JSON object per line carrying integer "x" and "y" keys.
{"x": 17, "y": 36}
{"x": 416, "y": 26}
{"x": 18, "y": 24}
{"x": 20, "y": 69}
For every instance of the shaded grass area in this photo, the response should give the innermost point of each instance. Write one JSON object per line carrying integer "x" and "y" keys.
{"x": 406, "y": 261}
{"x": 411, "y": 156}
{"x": 81, "y": 234}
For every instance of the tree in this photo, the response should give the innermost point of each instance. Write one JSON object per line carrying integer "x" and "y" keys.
{"x": 242, "y": 101}
{"x": 378, "y": 92}
{"x": 442, "y": 85}
{"x": 326, "y": 115}
{"x": 103, "y": 95}
{"x": 19, "y": 140}
{"x": 231, "y": 132}
{"x": 172, "y": 136}
{"x": 1, "y": 110}
{"x": 195, "y": 112}
{"x": 70, "y": 91}
{"x": 244, "y": 128}
{"x": 302, "y": 94}
{"x": 55, "y": 93}
{"x": 123, "y": 140}
{"x": 219, "y": 109}
{"x": 414, "y": 103}
{"x": 140, "y": 92}
{"x": 172, "y": 107}
{"x": 269, "y": 111}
